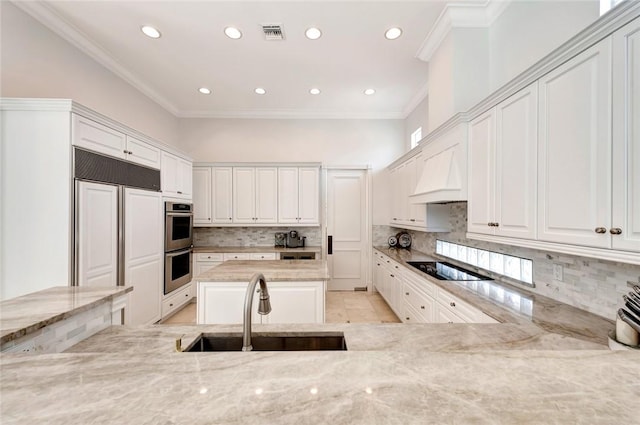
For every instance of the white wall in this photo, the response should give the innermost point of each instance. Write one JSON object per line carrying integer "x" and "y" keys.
{"x": 440, "y": 84}
{"x": 529, "y": 30}
{"x": 38, "y": 63}
{"x": 332, "y": 142}
{"x": 419, "y": 117}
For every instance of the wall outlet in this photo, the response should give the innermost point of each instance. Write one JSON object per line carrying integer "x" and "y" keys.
{"x": 557, "y": 272}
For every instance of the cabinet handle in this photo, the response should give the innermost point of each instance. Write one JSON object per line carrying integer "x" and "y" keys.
{"x": 170, "y": 305}
{"x": 452, "y": 304}
{"x": 209, "y": 218}
{"x": 186, "y": 295}
{"x": 394, "y": 219}
{"x": 496, "y": 224}
{"x": 179, "y": 193}
{"x": 406, "y": 293}
{"x": 229, "y": 218}
{"x": 391, "y": 275}
{"x": 396, "y": 267}
{"x": 601, "y": 230}
{"x": 490, "y": 224}
{"x": 130, "y": 153}
{"x": 422, "y": 307}
{"x": 413, "y": 219}
{"x": 408, "y": 318}
{"x": 615, "y": 231}
{"x": 125, "y": 151}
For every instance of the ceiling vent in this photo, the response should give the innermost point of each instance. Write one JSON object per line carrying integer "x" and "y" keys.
{"x": 273, "y": 32}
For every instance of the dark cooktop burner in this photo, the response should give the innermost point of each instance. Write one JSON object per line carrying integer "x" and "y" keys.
{"x": 446, "y": 271}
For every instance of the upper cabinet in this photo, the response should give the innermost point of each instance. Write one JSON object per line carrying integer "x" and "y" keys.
{"x": 177, "y": 177}
{"x": 574, "y": 150}
{"x": 502, "y": 168}
{"x": 255, "y": 195}
{"x": 625, "y": 224}
{"x": 222, "y": 195}
{"x": 100, "y": 138}
{"x": 201, "y": 195}
{"x": 298, "y": 195}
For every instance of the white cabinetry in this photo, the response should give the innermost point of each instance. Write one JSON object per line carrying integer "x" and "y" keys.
{"x": 100, "y": 138}
{"x": 502, "y": 168}
{"x": 291, "y": 302}
{"x": 574, "y": 151}
{"x": 626, "y": 138}
{"x": 177, "y": 299}
{"x": 255, "y": 195}
{"x": 206, "y": 261}
{"x": 177, "y": 177}
{"x": 419, "y": 305}
{"x": 298, "y": 195}
{"x": 201, "y": 195}
{"x": 222, "y": 195}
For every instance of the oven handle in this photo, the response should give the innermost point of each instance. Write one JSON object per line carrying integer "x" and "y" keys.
{"x": 176, "y": 253}
{"x": 178, "y": 214}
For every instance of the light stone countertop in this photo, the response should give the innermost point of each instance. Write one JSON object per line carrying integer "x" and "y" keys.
{"x": 273, "y": 270}
{"x": 548, "y": 314}
{"x": 22, "y": 315}
{"x": 254, "y": 249}
{"x": 392, "y": 374}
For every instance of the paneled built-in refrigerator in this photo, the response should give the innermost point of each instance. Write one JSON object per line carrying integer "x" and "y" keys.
{"x": 119, "y": 231}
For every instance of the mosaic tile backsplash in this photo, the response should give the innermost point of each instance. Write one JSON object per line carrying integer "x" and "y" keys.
{"x": 588, "y": 283}
{"x": 250, "y": 236}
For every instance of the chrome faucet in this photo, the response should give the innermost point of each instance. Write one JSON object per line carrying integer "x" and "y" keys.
{"x": 264, "y": 307}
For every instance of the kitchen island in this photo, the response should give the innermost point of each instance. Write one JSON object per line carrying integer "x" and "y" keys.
{"x": 296, "y": 287}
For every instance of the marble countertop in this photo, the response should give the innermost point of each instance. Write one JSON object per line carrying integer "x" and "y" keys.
{"x": 253, "y": 249}
{"x": 22, "y": 315}
{"x": 550, "y": 315}
{"x": 391, "y": 374}
{"x": 273, "y": 270}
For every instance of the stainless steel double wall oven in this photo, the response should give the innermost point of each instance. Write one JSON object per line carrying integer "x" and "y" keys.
{"x": 178, "y": 245}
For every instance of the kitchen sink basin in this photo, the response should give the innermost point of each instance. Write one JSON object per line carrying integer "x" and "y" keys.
{"x": 266, "y": 342}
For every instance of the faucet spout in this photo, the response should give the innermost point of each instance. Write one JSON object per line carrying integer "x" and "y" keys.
{"x": 264, "y": 307}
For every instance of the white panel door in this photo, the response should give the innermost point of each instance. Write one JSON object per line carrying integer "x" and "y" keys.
{"x": 222, "y": 195}
{"x": 309, "y": 195}
{"x": 266, "y": 195}
{"x": 97, "y": 137}
{"x": 224, "y": 303}
{"x": 169, "y": 172}
{"x": 481, "y": 177}
{"x": 97, "y": 227}
{"x": 516, "y": 159}
{"x": 144, "y": 255}
{"x": 142, "y": 153}
{"x": 244, "y": 195}
{"x": 288, "y": 195}
{"x": 346, "y": 226}
{"x": 202, "y": 195}
{"x": 574, "y": 150}
{"x": 626, "y": 138}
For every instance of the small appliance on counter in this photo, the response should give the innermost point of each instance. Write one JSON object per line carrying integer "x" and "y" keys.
{"x": 393, "y": 241}
{"x": 295, "y": 241}
{"x": 280, "y": 240}
{"x": 403, "y": 240}
{"x": 627, "y": 332}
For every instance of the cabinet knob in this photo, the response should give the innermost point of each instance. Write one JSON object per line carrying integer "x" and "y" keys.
{"x": 391, "y": 275}
{"x": 422, "y": 307}
{"x": 186, "y": 295}
{"x": 130, "y": 153}
{"x": 615, "y": 231}
{"x": 452, "y": 304}
{"x": 408, "y": 318}
{"x": 490, "y": 224}
{"x": 229, "y": 218}
{"x": 125, "y": 151}
{"x": 406, "y": 293}
{"x": 601, "y": 230}
{"x": 413, "y": 219}
{"x": 209, "y": 218}
{"x": 496, "y": 224}
{"x": 170, "y": 305}
{"x": 179, "y": 193}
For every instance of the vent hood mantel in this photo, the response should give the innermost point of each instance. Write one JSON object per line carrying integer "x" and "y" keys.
{"x": 444, "y": 169}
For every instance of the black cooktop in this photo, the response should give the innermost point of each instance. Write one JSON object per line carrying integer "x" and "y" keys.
{"x": 446, "y": 271}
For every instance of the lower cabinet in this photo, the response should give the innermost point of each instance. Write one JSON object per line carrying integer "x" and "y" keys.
{"x": 291, "y": 302}
{"x": 177, "y": 299}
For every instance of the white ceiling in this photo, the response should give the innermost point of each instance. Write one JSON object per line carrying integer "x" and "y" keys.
{"x": 352, "y": 54}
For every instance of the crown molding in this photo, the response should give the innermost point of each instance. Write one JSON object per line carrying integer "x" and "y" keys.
{"x": 415, "y": 100}
{"x": 47, "y": 16}
{"x": 470, "y": 15}
{"x": 291, "y": 114}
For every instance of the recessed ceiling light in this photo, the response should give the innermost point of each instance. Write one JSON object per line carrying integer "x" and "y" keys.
{"x": 313, "y": 33}
{"x": 204, "y": 90}
{"x": 233, "y": 32}
{"x": 393, "y": 33}
{"x": 260, "y": 90}
{"x": 314, "y": 91}
{"x": 369, "y": 92}
{"x": 150, "y": 31}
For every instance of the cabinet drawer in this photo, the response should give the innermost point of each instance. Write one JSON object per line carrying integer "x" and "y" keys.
{"x": 421, "y": 283}
{"x": 418, "y": 301}
{"x": 264, "y": 256}
{"x": 173, "y": 302}
{"x": 236, "y": 256}
{"x": 460, "y": 308}
{"x": 208, "y": 256}
{"x": 411, "y": 315}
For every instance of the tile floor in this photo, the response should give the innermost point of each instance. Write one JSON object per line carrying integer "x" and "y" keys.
{"x": 341, "y": 307}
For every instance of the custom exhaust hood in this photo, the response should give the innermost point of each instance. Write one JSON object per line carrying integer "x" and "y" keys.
{"x": 444, "y": 170}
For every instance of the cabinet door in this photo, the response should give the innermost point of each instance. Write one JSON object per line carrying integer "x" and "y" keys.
{"x": 244, "y": 195}
{"x": 144, "y": 255}
{"x": 574, "y": 152}
{"x": 308, "y": 195}
{"x": 444, "y": 315}
{"x": 222, "y": 195}
{"x": 288, "y": 195}
{"x": 266, "y": 195}
{"x": 626, "y": 137}
{"x": 185, "y": 176}
{"x": 417, "y": 212}
{"x": 98, "y": 138}
{"x": 481, "y": 177}
{"x": 201, "y": 195}
{"x": 220, "y": 302}
{"x": 516, "y": 159}
{"x": 404, "y": 176}
{"x": 169, "y": 173}
{"x": 142, "y": 153}
{"x": 97, "y": 236}
{"x": 203, "y": 266}
{"x": 296, "y": 302}
{"x": 395, "y": 195}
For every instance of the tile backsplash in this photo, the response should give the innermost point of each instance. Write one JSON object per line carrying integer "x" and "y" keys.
{"x": 250, "y": 236}
{"x": 587, "y": 283}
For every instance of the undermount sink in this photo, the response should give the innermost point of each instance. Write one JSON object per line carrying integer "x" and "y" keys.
{"x": 269, "y": 342}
